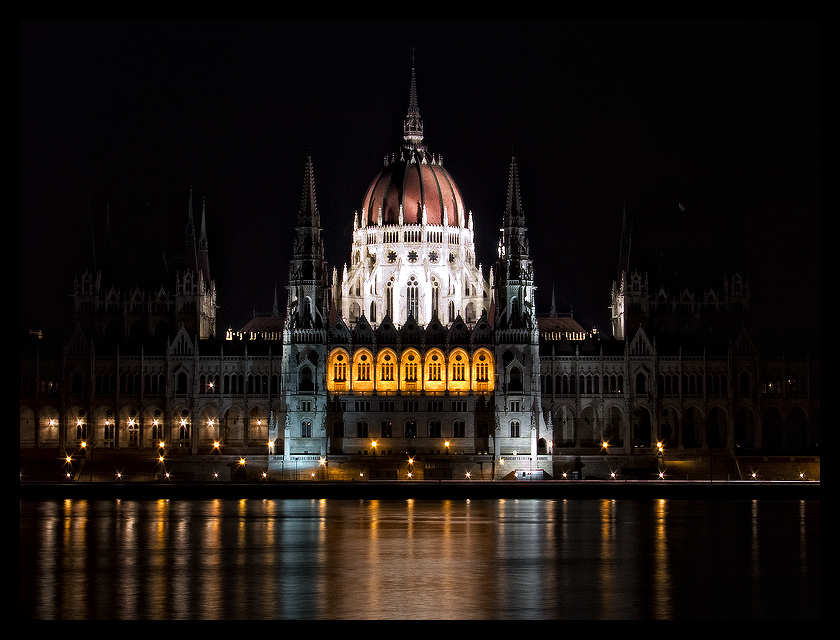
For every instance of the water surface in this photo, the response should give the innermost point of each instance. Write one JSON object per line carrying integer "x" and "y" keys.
{"x": 220, "y": 559}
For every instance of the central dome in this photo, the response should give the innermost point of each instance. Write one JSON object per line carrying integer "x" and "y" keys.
{"x": 413, "y": 184}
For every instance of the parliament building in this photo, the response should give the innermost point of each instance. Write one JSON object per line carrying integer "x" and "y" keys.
{"x": 412, "y": 360}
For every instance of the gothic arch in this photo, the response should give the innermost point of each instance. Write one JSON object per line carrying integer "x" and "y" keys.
{"x": 564, "y": 426}
{"x": 614, "y": 427}
{"x": 483, "y": 371}
{"x": 745, "y": 429}
{"x": 338, "y": 371}
{"x": 459, "y": 371}
{"x": 411, "y": 371}
{"x": 716, "y": 428}
{"x": 796, "y": 429}
{"x": 386, "y": 371}
{"x": 363, "y": 371}
{"x": 434, "y": 371}
{"x": 669, "y": 425}
{"x": 209, "y": 424}
{"x": 232, "y": 428}
{"x": 692, "y": 428}
{"x": 258, "y": 418}
{"x": 641, "y": 426}
{"x": 772, "y": 429}
{"x": 589, "y": 428}
{"x": 306, "y": 378}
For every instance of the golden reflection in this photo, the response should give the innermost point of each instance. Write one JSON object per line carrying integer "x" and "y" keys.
{"x": 661, "y": 573}
{"x": 606, "y": 570}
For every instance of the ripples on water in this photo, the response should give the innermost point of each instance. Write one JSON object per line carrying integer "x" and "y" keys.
{"x": 367, "y": 559}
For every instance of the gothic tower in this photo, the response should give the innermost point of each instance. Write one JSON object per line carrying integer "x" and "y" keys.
{"x": 518, "y": 403}
{"x": 305, "y": 332}
{"x": 195, "y": 290}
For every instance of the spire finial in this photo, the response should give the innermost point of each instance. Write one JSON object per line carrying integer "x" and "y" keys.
{"x": 413, "y": 126}
{"x": 309, "y": 205}
{"x": 513, "y": 209}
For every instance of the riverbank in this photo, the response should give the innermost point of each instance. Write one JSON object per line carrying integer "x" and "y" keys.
{"x": 433, "y": 490}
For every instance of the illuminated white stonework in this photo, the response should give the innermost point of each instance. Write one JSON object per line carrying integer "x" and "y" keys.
{"x": 419, "y": 270}
{"x": 413, "y": 251}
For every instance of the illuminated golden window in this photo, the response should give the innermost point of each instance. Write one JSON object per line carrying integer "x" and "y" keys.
{"x": 458, "y": 368}
{"x": 483, "y": 371}
{"x": 458, "y": 372}
{"x": 337, "y": 368}
{"x": 363, "y": 368}
{"x": 411, "y": 370}
{"x": 363, "y": 371}
{"x": 340, "y": 369}
{"x": 388, "y": 369}
{"x": 434, "y": 368}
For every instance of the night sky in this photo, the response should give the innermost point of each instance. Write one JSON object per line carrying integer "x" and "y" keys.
{"x": 722, "y": 118}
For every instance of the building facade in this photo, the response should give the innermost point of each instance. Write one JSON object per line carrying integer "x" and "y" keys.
{"x": 410, "y": 357}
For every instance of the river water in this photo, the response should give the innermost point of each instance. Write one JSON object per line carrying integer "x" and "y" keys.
{"x": 522, "y": 559}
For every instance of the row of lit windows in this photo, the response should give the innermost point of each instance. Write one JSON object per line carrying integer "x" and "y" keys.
{"x": 410, "y": 371}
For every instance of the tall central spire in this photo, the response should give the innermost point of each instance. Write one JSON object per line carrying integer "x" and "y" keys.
{"x": 413, "y": 126}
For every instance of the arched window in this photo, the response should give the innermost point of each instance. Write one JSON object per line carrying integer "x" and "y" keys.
{"x": 411, "y": 296}
{"x": 482, "y": 368}
{"x": 306, "y": 429}
{"x": 389, "y": 299}
{"x": 515, "y": 379}
{"x": 305, "y": 383}
{"x": 435, "y": 296}
{"x": 514, "y": 429}
{"x": 410, "y": 367}
{"x": 362, "y": 429}
{"x": 387, "y": 368}
{"x": 434, "y": 367}
{"x": 181, "y": 384}
{"x": 459, "y": 429}
{"x": 340, "y": 368}
{"x": 363, "y": 368}
{"x": 641, "y": 383}
{"x": 458, "y": 368}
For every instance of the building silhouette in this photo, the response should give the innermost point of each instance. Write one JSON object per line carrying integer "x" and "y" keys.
{"x": 412, "y": 359}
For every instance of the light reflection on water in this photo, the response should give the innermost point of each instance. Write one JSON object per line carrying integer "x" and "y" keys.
{"x": 368, "y": 559}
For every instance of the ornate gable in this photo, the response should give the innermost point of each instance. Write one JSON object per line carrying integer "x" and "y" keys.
{"x": 641, "y": 345}
{"x": 182, "y": 345}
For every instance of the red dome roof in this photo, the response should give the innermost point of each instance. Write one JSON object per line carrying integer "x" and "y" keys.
{"x": 412, "y": 184}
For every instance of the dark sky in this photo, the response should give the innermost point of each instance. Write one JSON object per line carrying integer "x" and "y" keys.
{"x": 720, "y": 117}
